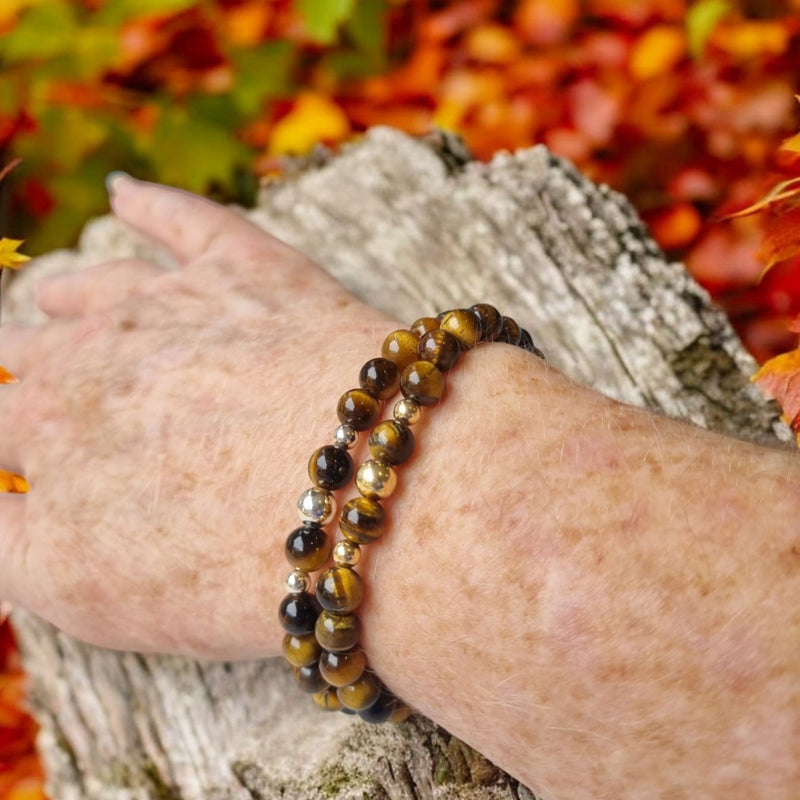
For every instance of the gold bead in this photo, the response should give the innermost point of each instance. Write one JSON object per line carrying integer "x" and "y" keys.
{"x": 376, "y": 479}
{"x": 346, "y": 554}
{"x": 408, "y": 410}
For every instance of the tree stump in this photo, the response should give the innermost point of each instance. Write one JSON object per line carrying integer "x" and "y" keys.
{"x": 412, "y": 226}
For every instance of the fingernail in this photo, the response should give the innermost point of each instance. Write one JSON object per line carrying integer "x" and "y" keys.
{"x": 114, "y": 179}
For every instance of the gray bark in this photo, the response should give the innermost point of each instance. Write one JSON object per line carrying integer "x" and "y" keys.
{"x": 413, "y": 227}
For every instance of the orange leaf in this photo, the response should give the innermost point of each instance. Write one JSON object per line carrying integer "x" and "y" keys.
{"x": 657, "y": 52}
{"x": 782, "y": 192}
{"x": 313, "y": 119}
{"x": 792, "y": 143}
{"x": 12, "y": 483}
{"x": 781, "y": 238}
{"x": 6, "y": 376}
{"x": 780, "y": 379}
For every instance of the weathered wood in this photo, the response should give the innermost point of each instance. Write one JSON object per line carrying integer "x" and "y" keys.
{"x": 411, "y": 226}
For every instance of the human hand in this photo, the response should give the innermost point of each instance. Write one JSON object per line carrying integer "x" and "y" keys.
{"x": 162, "y": 419}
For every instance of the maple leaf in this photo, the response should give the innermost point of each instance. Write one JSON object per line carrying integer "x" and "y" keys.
{"x": 779, "y": 378}
{"x": 9, "y": 257}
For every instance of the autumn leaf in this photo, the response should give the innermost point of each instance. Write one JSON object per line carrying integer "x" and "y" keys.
{"x": 6, "y": 376}
{"x": 779, "y": 378}
{"x": 9, "y": 257}
{"x": 12, "y": 483}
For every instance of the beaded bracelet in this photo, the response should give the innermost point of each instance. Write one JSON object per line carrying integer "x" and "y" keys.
{"x": 322, "y": 630}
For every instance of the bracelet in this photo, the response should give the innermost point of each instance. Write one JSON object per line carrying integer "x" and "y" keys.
{"x": 322, "y": 630}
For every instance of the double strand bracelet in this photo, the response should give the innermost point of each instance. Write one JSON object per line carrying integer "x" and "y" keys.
{"x": 322, "y": 629}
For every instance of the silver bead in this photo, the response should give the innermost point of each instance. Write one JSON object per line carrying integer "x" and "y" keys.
{"x": 376, "y": 479}
{"x": 346, "y": 554}
{"x": 297, "y": 581}
{"x": 316, "y": 505}
{"x": 408, "y": 410}
{"x": 345, "y": 436}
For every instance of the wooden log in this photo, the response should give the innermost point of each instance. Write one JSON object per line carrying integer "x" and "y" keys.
{"x": 412, "y": 226}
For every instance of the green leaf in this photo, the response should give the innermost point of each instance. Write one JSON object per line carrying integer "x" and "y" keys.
{"x": 323, "y": 17}
{"x": 701, "y": 19}
{"x": 262, "y": 73}
{"x": 367, "y": 29}
{"x": 115, "y": 12}
{"x": 44, "y": 31}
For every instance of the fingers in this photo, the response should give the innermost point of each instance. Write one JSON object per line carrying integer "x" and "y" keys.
{"x": 96, "y": 288}
{"x": 188, "y": 225}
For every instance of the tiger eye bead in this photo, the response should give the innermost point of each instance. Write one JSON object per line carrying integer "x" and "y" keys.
{"x": 309, "y": 679}
{"x": 300, "y": 651}
{"x": 401, "y": 712}
{"x": 308, "y": 547}
{"x": 391, "y": 441}
{"x": 401, "y": 348}
{"x": 298, "y": 613}
{"x": 380, "y": 377}
{"x": 337, "y": 631}
{"x": 440, "y": 348}
{"x": 358, "y": 409}
{"x": 422, "y": 325}
{"x": 361, "y": 694}
{"x": 339, "y": 589}
{"x": 376, "y": 479}
{"x": 327, "y": 699}
{"x": 316, "y": 505}
{"x": 423, "y": 383}
{"x": 490, "y": 318}
{"x": 406, "y": 410}
{"x": 382, "y": 709}
{"x": 464, "y": 325}
{"x": 330, "y": 467}
{"x": 342, "y": 668}
{"x": 362, "y": 520}
{"x": 510, "y": 333}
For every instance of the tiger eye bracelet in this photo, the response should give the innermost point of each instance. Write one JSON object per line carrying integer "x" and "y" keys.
{"x": 322, "y": 629}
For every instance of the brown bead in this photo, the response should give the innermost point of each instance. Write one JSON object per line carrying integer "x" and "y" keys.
{"x": 440, "y": 348}
{"x": 362, "y": 520}
{"x": 327, "y": 699}
{"x": 309, "y": 678}
{"x": 337, "y": 631}
{"x": 360, "y": 694}
{"x": 298, "y": 613}
{"x": 380, "y": 377}
{"x": 491, "y": 320}
{"x": 330, "y": 467}
{"x": 308, "y": 547}
{"x": 359, "y": 409}
{"x": 510, "y": 333}
{"x": 401, "y": 712}
{"x": 424, "y": 324}
{"x": 339, "y": 669}
{"x": 464, "y": 325}
{"x": 423, "y": 383}
{"x": 391, "y": 441}
{"x": 400, "y": 347}
{"x": 382, "y": 709}
{"x": 339, "y": 589}
{"x": 300, "y": 651}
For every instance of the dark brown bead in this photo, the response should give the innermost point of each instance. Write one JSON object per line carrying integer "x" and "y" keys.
{"x": 391, "y": 441}
{"x": 400, "y": 347}
{"x": 424, "y": 324}
{"x": 342, "y": 668}
{"x": 359, "y": 409}
{"x": 339, "y": 589}
{"x": 298, "y": 613}
{"x": 382, "y": 709}
{"x": 308, "y": 547}
{"x": 301, "y": 651}
{"x": 440, "y": 348}
{"x": 423, "y": 383}
{"x": 337, "y": 631}
{"x": 491, "y": 320}
{"x": 360, "y": 694}
{"x": 330, "y": 467}
{"x": 362, "y": 520}
{"x": 309, "y": 679}
{"x": 380, "y": 377}
{"x": 510, "y": 333}
{"x": 464, "y": 325}
{"x": 327, "y": 699}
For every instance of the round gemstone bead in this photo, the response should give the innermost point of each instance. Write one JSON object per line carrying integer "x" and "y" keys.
{"x": 309, "y": 679}
{"x": 337, "y": 631}
{"x": 401, "y": 348}
{"x": 462, "y": 324}
{"x": 327, "y": 699}
{"x": 362, "y": 520}
{"x": 423, "y": 383}
{"x": 407, "y": 411}
{"x": 300, "y": 651}
{"x": 510, "y": 333}
{"x": 296, "y": 582}
{"x": 316, "y": 505}
{"x": 526, "y": 342}
{"x": 440, "y": 348}
{"x": 360, "y": 694}
{"x": 342, "y": 668}
{"x": 298, "y": 613}
{"x": 401, "y": 712}
{"x": 339, "y": 589}
{"x": 308, "y": 547}
{"x": 346, "y": 554}
{"x": 490, "y": 319}
{"x": 391, "y": 441}
{"x": 376, "y": 479}
{"x": 424, "y": 324}
{"x": 359, "y": 409}
{"x": 345, "y": 436}
{"x": 380, "y": 377}
{"x": 330, "y": 467}
{"x": 382, "y": 709}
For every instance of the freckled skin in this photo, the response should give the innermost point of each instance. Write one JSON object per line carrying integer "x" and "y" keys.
{"x": 601, "y": 601}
